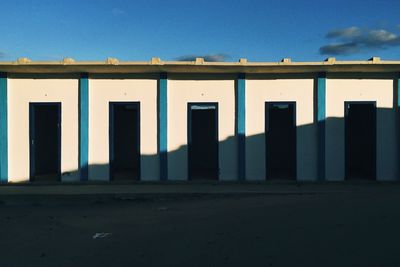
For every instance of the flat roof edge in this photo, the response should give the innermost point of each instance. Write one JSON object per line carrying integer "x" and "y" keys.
{"x": 198, "y": 66}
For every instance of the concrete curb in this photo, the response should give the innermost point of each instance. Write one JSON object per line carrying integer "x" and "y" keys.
{"x": 195, "y": 188}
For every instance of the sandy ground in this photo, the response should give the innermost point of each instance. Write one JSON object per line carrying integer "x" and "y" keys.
{"x": 325, "y": 227}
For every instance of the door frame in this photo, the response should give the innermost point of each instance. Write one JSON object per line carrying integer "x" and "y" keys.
{"x": 189, "y": 132}
{"x": 266, "y": 131}
{"x": 111, "y": 106}
{"x": 32, "y": 125}
{"x": 346, "y": 136}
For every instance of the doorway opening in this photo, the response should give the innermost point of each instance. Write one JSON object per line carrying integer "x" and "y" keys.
{"x": 360, "y": 140}
{"x": 45, "y": 141}
{"x": 124, "y": 134}
{"x": 203, "y": 141}
{"x": 280, "y": 134}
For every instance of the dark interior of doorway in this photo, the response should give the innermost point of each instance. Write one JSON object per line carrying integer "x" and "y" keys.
{"x": 125, "y": 141}
{"x": 280, "y": 140}
{"x": 360, "y": 143}
{"x": 45, "y": 142}
{"x": 203, "y": 143}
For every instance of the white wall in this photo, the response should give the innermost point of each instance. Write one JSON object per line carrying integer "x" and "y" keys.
{"x": 102, "y": 90}
{"x": 265, "y": 90}
{"x": 380, "y": 90}
{"x": 21, "y": 91}
{"x": 105, "y": 90}
{"x": 180, "y": 92}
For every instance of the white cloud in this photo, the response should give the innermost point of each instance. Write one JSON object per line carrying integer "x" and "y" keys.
{"x": 209, "y": 57}
{"x": 381, "y": 36}
{"x": 353, "y": 40}
{"x": 339, "y": 49}
{"x": 117, "y": 11}
{"x": 347, "y": 33}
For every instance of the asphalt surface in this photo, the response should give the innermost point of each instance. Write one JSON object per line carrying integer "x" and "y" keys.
{"x": 281, "y": 225}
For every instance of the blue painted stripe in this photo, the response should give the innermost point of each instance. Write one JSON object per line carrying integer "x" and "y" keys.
{"x": 321, "y": 118}
{"x": 162, "y": 125}
{"x": 3, "y": 129}
{"x": 241, "y": 125}
{"x": 398, "y": 91}
{"x": 84, "y": 127}
{"x": 398, "y": 101}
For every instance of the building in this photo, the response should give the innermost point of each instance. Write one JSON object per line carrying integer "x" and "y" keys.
{"x": 229, "y": 121}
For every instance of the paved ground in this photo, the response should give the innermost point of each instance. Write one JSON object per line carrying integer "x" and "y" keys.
{"x": 185, "y": 225}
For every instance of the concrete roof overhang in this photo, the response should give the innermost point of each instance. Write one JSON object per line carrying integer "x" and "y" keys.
{"x": 110, "y": 66}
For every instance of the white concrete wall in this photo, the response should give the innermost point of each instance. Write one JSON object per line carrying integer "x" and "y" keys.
{"x": 21, "y": 91}
{"x": 380, "y": 90}
{"x": 265, "y": 90}
{"x": 105, "y": 90}
{"x": 180, "y": 92}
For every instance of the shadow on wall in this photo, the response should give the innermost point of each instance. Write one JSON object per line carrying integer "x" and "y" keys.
{"x": 352, "y": 150}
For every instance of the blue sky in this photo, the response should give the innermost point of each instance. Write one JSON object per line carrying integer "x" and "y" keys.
{"x": 176, "y": 29}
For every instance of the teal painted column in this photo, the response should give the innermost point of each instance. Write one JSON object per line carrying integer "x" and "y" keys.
{"x": 398, "y": 104}
{"x": 3, "y": 129}
{"x": 84, "y": 127}
{"x": 321, "y": 119}
{"x": 241, "y": 124}
{"x": 162, "y": 125}
{"x": 398, "y": 91}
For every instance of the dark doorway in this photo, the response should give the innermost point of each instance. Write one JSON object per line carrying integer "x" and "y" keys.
{"x": 203, "y": 141}
{"x": 45, "y": 141}
{"x": 360, "y": 140}
{"x": 125, "y": 141}
{"x": 280, "y": 134}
